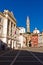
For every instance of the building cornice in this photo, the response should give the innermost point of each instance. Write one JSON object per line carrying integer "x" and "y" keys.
{"x": 1, "y": 15}
{"x": 10, "y": 15}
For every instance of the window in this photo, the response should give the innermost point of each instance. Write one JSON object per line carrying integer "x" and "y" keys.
{"x": 14, "y": 25}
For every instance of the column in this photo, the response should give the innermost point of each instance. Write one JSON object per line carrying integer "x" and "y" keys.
{"x": 5, "y": 20}
{"x": 9, "y": 40}
{"x": 12, "y": 35}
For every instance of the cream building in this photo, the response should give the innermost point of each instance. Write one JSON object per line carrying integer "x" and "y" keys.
{"x": 7, "y": 28}
{"x": 16, "y": 36}
{"x": 21, "y": 40}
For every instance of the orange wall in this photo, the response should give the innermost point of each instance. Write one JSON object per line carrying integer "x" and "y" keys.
{"x": 34, "y": 40}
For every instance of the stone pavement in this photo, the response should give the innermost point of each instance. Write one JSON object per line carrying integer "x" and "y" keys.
{"x": 25, "y": 56}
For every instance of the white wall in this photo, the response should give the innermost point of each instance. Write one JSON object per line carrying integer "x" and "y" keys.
{"x": 22, "y": 30}
{"x": 40, "y": 40}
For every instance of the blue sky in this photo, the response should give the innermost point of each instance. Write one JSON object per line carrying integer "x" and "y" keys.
{"x": 24, "y": 8}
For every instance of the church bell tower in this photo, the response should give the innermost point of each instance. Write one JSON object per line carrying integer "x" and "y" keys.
{"x": 28, "y": 24}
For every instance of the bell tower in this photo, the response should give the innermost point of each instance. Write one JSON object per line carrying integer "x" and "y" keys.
{"x": 28, "y": 24}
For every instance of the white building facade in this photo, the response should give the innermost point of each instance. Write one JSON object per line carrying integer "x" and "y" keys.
{"x": 7, "y": 24}
{"x": 22, "y": 30}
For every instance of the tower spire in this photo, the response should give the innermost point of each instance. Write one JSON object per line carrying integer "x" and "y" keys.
{"x": 28, "y": 24}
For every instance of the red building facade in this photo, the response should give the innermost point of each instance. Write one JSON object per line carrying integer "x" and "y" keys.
{"x": 34, "y": 40}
